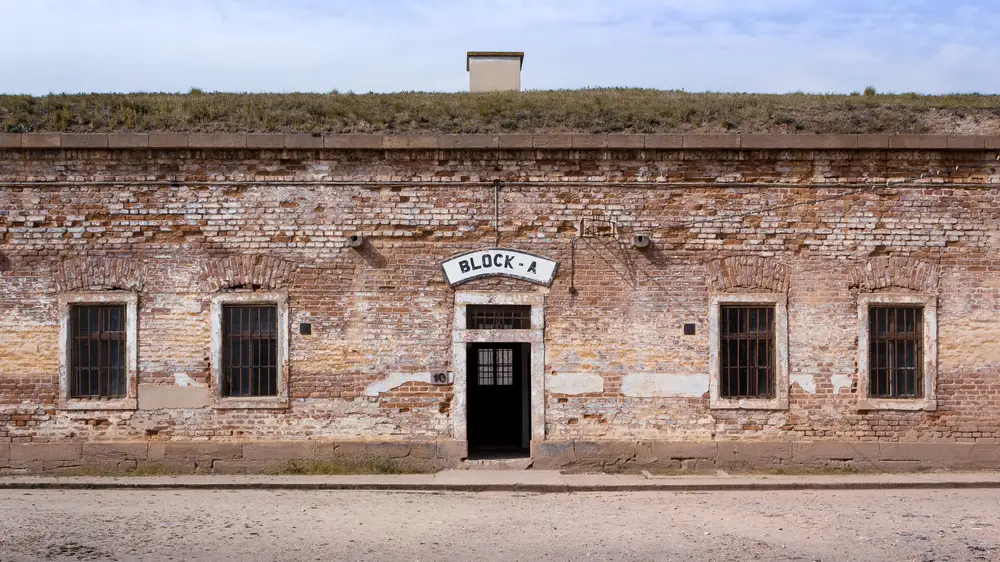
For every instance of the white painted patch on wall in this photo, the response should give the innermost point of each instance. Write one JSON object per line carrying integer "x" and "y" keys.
{"x": 664, "y": 384}
{"x": 841, "y": 381}
{"x": 574, "y": 383}
{"x": 395, "y": 380}
{"x": 805, "y": 382}
{"x": 183, "y": 379}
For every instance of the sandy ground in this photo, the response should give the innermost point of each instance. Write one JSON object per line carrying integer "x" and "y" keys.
{"x": 305, "y": 525}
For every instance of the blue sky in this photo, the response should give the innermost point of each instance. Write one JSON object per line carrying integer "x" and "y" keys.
{"x": 927, "y": 46}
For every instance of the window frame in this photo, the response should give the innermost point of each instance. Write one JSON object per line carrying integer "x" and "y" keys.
{"x": 278, "y": 299}
{"x": 65, "y": 304}
{"x": 247, "y": 336}
{"x": 499, "y": 313}
{"x": 779, "y": 302}
{"x": 928, "y": 402}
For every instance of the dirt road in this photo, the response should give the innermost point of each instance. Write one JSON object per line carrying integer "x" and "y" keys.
{"x": 309, "y": 525}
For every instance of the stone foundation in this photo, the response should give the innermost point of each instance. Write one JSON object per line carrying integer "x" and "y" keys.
{"x": 264, "y": 457}
{"x": 246, "y": 457}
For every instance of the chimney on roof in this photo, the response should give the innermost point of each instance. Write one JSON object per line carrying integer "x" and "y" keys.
{"x": 492, "y": 71}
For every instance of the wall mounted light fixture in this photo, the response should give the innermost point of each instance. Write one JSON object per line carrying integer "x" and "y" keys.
{"x": 641, "y": 241}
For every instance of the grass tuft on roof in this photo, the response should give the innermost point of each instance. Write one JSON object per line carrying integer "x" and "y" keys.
{"x": 598, "y": 110}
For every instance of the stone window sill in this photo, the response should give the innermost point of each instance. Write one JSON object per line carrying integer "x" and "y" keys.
{"x": 899, "y": 405}
{"x": 749, "y": 404}
{"x": 267, "y": 403}
{"x": 98, "y": 404}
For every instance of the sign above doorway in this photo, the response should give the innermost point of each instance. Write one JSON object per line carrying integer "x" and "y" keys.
{"x": 499, "y": 262}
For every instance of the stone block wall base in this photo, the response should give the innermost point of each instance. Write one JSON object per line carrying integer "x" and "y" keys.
{"x": 765, "y": 455}
{"x": 305, "y": 457}
{"x": 228, "y": 457}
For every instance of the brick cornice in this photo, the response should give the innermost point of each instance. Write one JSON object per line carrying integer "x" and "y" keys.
{"x": 571, "y": 141}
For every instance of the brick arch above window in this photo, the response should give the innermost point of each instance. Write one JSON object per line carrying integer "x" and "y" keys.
{"x": 98, "y": 273}
{"x": 901, "y": 272}
{"x": 747, "y": 272}
{"x": 255, "y": 271}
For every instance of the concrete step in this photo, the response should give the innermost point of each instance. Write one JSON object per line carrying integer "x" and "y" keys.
{"x": 497, "y": 464}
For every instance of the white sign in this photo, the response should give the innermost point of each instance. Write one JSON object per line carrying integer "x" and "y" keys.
{"x": 499, "y": 262}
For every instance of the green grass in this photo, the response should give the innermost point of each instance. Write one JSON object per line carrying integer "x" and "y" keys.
{"x": 587, "y": 111}
{"x": 368, "y": 465}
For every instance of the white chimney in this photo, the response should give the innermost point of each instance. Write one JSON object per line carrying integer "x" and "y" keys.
{"x": 492, "y": 71}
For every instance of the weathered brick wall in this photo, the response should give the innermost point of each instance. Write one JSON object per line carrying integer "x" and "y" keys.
{"x": 385, "y": 309}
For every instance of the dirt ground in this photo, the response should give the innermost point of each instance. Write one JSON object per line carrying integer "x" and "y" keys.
{"x": 330, "y": 525}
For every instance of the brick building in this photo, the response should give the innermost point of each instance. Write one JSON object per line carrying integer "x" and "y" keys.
{"x": 228, "y": 302}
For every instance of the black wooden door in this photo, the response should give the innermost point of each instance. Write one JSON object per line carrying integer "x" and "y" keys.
{"x": 494, "y": 395}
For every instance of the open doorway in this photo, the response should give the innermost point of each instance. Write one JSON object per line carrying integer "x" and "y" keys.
{"x": 490, "y": 320}
{"x": 499, "y": 399}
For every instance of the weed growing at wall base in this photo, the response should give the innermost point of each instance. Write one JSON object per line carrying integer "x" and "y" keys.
{"x": 365, "y": 465}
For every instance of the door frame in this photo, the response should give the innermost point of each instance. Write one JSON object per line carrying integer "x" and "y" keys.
{"x": 535, "y": 336}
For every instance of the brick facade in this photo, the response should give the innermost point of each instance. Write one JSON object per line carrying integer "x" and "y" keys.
{"x": 179, "y": 225}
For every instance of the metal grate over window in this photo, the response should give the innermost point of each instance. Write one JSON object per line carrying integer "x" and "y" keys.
{"x": 895, "y": 352}
{"x": 250, "y": 349}
{"x": 496, "y": 366}
{"x": 747, "y": 352}
{"x": 498, "y": 317}
{"x": 98, "y": 350}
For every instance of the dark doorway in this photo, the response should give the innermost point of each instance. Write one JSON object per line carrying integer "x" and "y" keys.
{"x": 498, "y": 399}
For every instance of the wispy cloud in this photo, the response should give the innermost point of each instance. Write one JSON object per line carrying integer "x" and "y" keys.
{"x": 393, "y": 45}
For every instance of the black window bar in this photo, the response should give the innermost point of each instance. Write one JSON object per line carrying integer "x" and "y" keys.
{"x": 895, "y": 352}
{"x": 98, "y": 351}
{"x": 498, "y": 317}
{"x": 747, "y": 352}
{"x": 250, "y": 349}
{"x": 496, "y": 366}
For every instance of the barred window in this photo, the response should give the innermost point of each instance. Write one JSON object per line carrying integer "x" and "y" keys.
{"x": 895, "y": 352}
{"x": 498, "y": 317}
{"x": 747, "y": 352}
{"x": 97, "y": 363}
{"x": 250, "y": 350}
{"x": 496, "y": 366}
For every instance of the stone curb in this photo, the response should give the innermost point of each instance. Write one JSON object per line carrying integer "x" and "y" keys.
{"x": 546, "y": 141}
{"x": 662, "y": 486}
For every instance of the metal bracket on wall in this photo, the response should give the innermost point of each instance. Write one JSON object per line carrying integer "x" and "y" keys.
{"x": 596, "y": 228}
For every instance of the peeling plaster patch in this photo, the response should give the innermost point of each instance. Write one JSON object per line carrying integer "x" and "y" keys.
{"x": 183, "y": 379}
{"x": 841, "y": 381}
{"x": 664, "y": 384}
{"x": 574, "y": 383}
{"x": 805, "y": 382}
{"x": 318, "y": 170}
{"x": 395, "y": 380}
